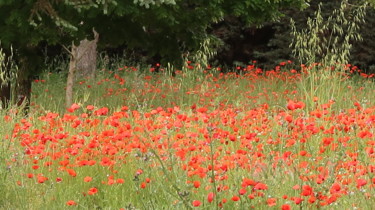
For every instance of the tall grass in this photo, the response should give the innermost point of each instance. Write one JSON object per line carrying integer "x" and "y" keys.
{"x": 323, "y": 50}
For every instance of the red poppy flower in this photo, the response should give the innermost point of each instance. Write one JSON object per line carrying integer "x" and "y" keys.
{"x": 260, "y": 186}
{"x": 196, "y": 184}
{"x": 73, "y": 107}
{"x": 306, "y": 190}
{"x": 361, "y": 182}
{"x": 101, "y": 111}
{"x": 71, "y": 203}
{"x": 242, "y": 191}
{"x": 90, "y": 107}
{"x": 285, "y": 207}
{"x": 42, "y": 179}
{"x": 235, "y": 198}
{"x": 210, "y": 197}
{"x": 71, "y": 172}
{"x": 92, "y": 191}
{"x": 271, "y": 201}
{"x": 120, "y": 181}
{"x": 87, "y": 179}
{"x": 143, "y": 185}
{"x": 196, "y": 203}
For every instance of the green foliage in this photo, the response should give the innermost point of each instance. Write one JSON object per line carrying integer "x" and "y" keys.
{"x": 277, "y": 49}
{"x": 8, "y": 69}
{"x": 328, "y": 42}
{"x": 170, "y": 23}
{"x": 147, "y": 3}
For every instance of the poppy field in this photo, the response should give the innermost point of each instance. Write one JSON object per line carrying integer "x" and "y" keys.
{"x": 278, "y": 139}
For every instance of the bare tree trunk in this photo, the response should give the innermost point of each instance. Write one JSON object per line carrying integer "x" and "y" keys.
{"x": 24, "y": 93}
{"x": 5, "y": 94}
{"x": 70, "y": 82}
{"x": 87, "y": 53}
{"x": 23, "y": 85}
{"x": 82, "y": 62}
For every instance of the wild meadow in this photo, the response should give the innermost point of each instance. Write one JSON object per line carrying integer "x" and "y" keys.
{"x": 287, "y": 138}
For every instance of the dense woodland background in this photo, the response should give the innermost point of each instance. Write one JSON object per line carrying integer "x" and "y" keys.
{"x": 267, "y": 43}
{"x": 239, "y": 43}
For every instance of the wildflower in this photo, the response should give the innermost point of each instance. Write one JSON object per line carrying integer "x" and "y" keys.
{"x": 248, "y": 182}
{"x": 90, "y": 107}
{"x": 92, "y": 191}
{"x": 42, "y": 179}
{"x": 235, "y": 198}
{"x": 101, "y": 111}
{"x": 73, "y": 107}
{"x": 139, "y": 172}
{"x": 289, "y": 118}
{"x": 196, "y": 203}
{"x": 306, "y": 190}
{"x": 285, "y": 207}
{"x": 332, "y": 199}
{"x": 120, "y": 181}
{"x": 242, "y": 191}
{"x": 271, "y": 201}
{"x": 71, "y": 172}
{"x": 297, "y": 200}
{"x": 260, "y": 186}
{"x": 327, "y": 141}
{"x": 87, "y": 179}
{"x": 71, "y": 203}
{"x": 335, "y": 188}
{"x": 293, "y": 105}
{"x": 251, "y": 196}
{"x": 143, "y": 185}
{"x": 107, "y": 161}
{"x": 196, "y": 184}
{"x": 361, "y": 182}
{"x": 312, "y": 199}
{"x": 210, "y": 197}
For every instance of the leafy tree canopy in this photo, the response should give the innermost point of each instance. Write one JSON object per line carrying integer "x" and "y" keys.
{"x": 160, "y": 26}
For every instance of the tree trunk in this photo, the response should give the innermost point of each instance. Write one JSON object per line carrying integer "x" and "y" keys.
{"x": 23, "y": 85}
{"x": 82, "y": 64}
{"x": 5, "y": 94}
{"x": 24, "y": 93}
{"x": 86, "y": 62}
{"x": 70, "y": 80}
